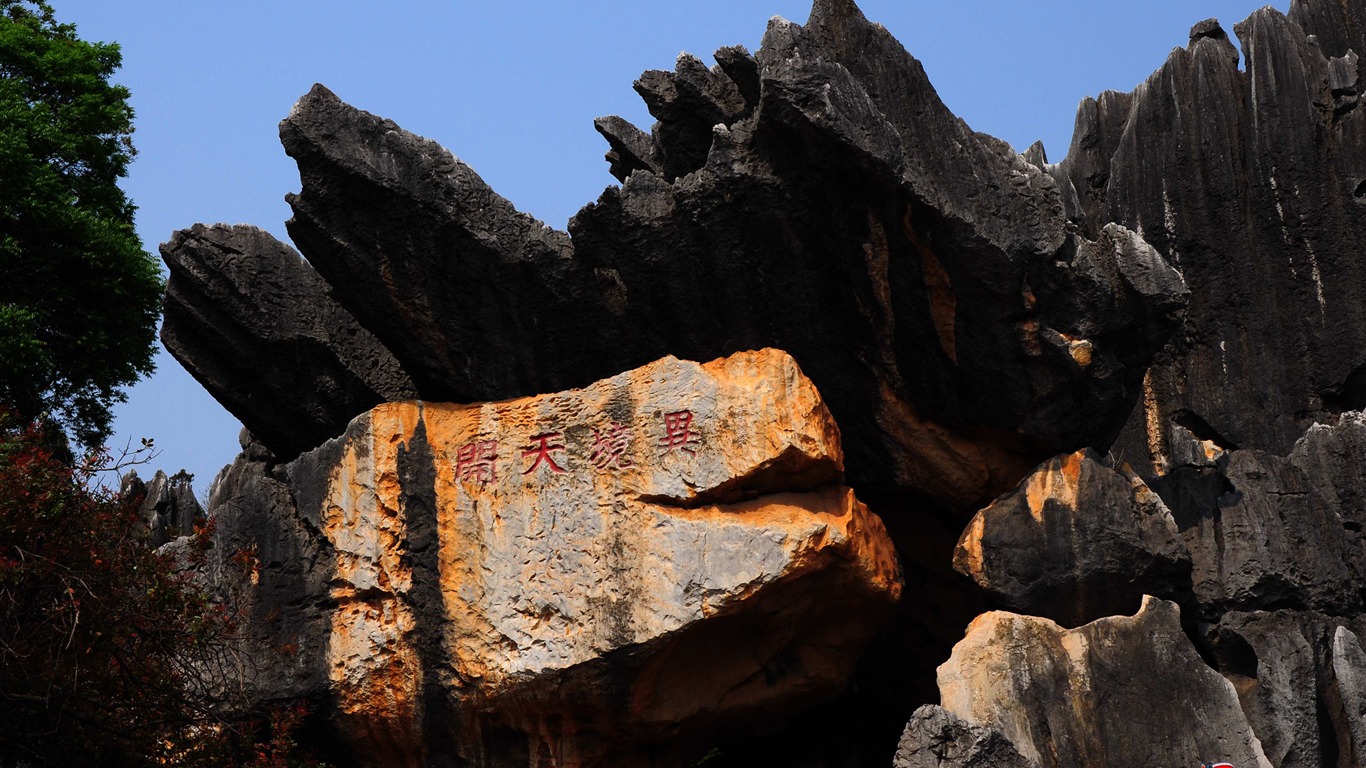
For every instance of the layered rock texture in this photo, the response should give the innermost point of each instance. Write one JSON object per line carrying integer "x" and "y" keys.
{"x": 817, "y": 197}
{"x": 167, "y": 507}
{"x": 1120, "y": 396}
{"x": 589, "y": 574}
{"x": 1266, "y": 232}
{"x": 255, "y": 325}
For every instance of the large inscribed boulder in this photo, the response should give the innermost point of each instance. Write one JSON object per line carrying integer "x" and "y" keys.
{"x": 662, "y": 553}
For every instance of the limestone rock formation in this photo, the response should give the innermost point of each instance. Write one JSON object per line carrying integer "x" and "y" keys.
{"x": 1266, "y": 531}
{"x": 254, "y": 324}
{"x": 1253, "y": 183}
{"x": 630, "y": 572}
{"x": 1249, "y": 430}
{"x": 1224, "y": 530}
{"x": 937, "y": 738}
{"x": 816, "y": 197}
{"x": 1300, "y": 678}
{"x": 1123, "y": 690}
{"x": 1075, "y": 542}
{"x": 167, "y": 506}
{"x": 665, "y": 553}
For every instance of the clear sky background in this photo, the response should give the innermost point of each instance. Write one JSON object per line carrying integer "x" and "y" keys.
{"x": 512, "y": 88}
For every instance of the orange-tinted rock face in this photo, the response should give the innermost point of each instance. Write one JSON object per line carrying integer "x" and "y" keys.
{"x": 664, "y": 551}
{"x": 1076, "y": 540}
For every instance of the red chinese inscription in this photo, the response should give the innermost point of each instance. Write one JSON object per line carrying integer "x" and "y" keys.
{"x": 540, "y": 449}
{"x": 476, "y": 461}
{"x": 610, "y": 446}
{"x": 678, "y": 433}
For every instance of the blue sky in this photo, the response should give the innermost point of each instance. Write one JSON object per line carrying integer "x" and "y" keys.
{"x": 512, "y": 89}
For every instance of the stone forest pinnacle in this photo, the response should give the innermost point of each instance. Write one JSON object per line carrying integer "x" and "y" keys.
{"x": 837, "y": 434}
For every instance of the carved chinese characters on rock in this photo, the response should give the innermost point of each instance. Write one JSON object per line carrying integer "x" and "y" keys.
{"x": 477, "y": 462}
{"x": 613, "y": 448}
{"x": 678, "y": 433}
{"x": 540, "y": 450}
{"x": 610, "y": 446}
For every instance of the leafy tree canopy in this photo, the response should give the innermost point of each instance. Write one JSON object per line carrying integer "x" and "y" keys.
{"x": 79, "y": 297}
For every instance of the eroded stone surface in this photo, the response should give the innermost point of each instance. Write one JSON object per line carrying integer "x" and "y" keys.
{"x": 1075, "y": 542}
{"x": 1299, "y": 676}
{"x": 167, "y": 507}
{"x": 937, "y": 738}
{"x": 1257, "y": 196}
{"x": 817, "y": 197}
{"x": 1274, "y": 532}
{"x": 666, "y": 552}
{"x": 1123, "y": 690}
{"x": 254, "y": 324}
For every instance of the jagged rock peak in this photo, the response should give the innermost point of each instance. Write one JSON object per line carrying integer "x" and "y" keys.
{"x": 816, "y": 197}
{"x": 1277, "y": 150}
{"x": 255, "y": 325}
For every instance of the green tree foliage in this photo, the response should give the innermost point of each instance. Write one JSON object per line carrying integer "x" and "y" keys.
{"x": 79, "y": 297}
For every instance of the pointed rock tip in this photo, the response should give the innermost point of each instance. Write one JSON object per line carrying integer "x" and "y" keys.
{"x": 1208, "y": 28}
{"x": 828, "y": 10}
{"x": 318, "y": 94}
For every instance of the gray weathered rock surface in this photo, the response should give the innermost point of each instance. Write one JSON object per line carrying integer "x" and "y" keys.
{"x": 816, "y": 197}
{"x": 254, "y": 324}
{"x": 168, "y": 507}
{"x": 1123, "y": 690}
{"x": 937, "y": 738}
{"x": 1075, "y": 542}
{"x": 1299, "y": 677}
{"x": 1253, "y": 182}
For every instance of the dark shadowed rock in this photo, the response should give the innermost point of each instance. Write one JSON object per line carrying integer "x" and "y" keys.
{"x": 1299, "y": 676}
{"x": 937, "y": 738}
{"x": 1270, "y": 541}
{"x": 1124, "y": 690}
{"x": 475, "y": 299}
{"x": 254, "y": 324}
{"x": 1075, "y": 542}
{"x": 1269, "y": 532}
{"x": 1250, "y": 182}
{"x": 631, "y": 149}
{"x": 1336, "y": 26}
{"x": 817, "y": 197}
{"x": 268, "y": 565}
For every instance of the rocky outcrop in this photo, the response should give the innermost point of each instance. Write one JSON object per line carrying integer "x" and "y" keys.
{"x": 663, "y": 554}
{"x": 1273, "y": 532}
{"x": 1225, "y": 530}
{"x": 1075, "y": 542}
{"x": 167, "y": 507}
{"x": 1248, "y": 428}
{"x": 1257, "y": 196}
{"x": 816, "y": 197}
{"x": 937, "y": 738}
{"x": 1299, "y": 676}
{"x": 254, "y": 324}
{"x": 1123, "y": 690}
{"x": 631, "y": 572}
